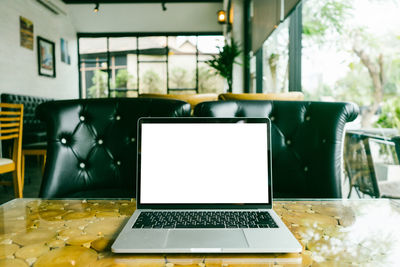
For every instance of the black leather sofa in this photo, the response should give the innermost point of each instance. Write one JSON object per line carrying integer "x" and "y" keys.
{"x": 34, "y": 130}
{"x": 307, "y": 142}
{"x": 92, "y": 146}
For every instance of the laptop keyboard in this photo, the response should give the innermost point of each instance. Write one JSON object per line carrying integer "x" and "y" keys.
{"x": 205, "y": 219}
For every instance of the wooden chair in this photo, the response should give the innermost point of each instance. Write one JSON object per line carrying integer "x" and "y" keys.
{"x": 360, "y": 168}
{"x": 35, "y": 149}
{"x": 11, "y": 130}
{"x": 192, "y": 99}
{"x": 299, "y": 96}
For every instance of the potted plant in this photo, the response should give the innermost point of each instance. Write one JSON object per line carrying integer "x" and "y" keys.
{"x": 224, "y": 60}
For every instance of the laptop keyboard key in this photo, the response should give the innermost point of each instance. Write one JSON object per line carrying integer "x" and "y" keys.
{"x": 205, "y": 219}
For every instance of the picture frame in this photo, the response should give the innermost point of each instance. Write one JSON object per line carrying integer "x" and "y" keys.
{"x": 26, "y": 33}
{"x": 46, "y": 57}
{"x": 65, "y": 57}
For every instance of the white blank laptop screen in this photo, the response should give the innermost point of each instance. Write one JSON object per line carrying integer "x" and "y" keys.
{"x": 198, "y": 163}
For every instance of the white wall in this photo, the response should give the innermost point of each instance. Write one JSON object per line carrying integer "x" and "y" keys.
{"x": 179, "y": 17}
{"x": 19, "y": 66}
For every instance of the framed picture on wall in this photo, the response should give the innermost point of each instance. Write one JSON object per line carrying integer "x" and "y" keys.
{"x": 64, "y": 51}
{"x": 26, "y": 33}
{"x": 46, "y": 58}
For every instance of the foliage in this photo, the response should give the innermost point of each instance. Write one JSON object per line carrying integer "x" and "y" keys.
{"x": 178, "y": 78}
{"x": 373, "y": 68}
{"x": 209, "y": 81}
{"x": 151, "y": 82}
{"x": 123, "y": 78}
{"x": 390, "y": 115}
{"x": 355, "y": 86}
{"x": 392, "y": 85}
{"x": 224, "y": 60}
{"x": 323, "y": 17}
{"x": 99, "y": 87}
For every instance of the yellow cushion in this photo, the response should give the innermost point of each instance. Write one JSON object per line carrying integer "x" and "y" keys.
{"x": 192, "y": 99}
{"x": 270, "y": 96}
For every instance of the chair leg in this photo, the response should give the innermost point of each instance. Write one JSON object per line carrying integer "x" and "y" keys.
{"x": 44, "y": 162}
{"x": 23, "y": 170}
{"x": 349, "y": 194}
{"x": 17, "y": 181}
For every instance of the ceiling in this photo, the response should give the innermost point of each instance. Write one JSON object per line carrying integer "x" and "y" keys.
{"x": 136, "y": 1}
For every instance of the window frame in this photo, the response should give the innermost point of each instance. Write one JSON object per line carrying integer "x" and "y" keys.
{"x": 139, "y": 35}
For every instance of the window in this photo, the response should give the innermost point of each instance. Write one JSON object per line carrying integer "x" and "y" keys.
{"x": 128, "y": 66}
{"x": 276, "y": 60}
{"x": 351, "y": 52}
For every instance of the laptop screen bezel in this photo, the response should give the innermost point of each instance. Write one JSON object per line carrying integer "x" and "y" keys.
{"x": 142, "y": 121}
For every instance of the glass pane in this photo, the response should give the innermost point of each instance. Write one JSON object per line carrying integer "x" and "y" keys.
{"x": 94, "y": 79}
{"x": 122, "y": 44}
{"x": 153, "y": 78}
{"x": 94, "y": 83}
{"x": 348, "y": 55}
{"x": 92, "y": 45}
{"x": 123, "y": 93}
{"x": 93, "y": 67}
{"x": 182, "y": 62}
{"x": 152, "y": 48}
{"x": 210, "y": 44}
{"x": 122, "y": 79}
{"x": 209, "y": 80}
{"x": 276, "y": 60}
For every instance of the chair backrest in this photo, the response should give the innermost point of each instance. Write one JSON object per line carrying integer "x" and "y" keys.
{"x": 359, "y": 166}
{"x": 267, "y": 96}
{"x": 396, "y": 141}
{"x": 307, "y": 140}
{"x": 364, "y": 169}
{"x": 192, "y": 99}
{"x": 11, "y": 121}
{"x": 92, "y": 146}
{"x": 34, "y": 129}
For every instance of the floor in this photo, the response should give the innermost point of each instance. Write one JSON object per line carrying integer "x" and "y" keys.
{"x": 33, "y": 178}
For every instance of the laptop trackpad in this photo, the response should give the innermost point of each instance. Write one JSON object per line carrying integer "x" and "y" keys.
{"x": 207, "y": 238}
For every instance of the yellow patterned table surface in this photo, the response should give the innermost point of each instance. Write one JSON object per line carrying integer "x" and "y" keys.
{"x": 35, "y": 232}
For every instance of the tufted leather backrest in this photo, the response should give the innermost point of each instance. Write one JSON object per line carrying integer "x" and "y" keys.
{"x": 306, "y": 142}
{"x": 92, "y": 144}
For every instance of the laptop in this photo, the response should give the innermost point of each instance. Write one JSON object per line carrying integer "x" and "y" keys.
{"x": 204, "y": 185}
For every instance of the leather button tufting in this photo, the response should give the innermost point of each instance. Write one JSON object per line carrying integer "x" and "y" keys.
{"x": 119, "y": 163}
{"x": 100, "y": 141}
{"x": 82, "y": 165}
{"x": 306, "y": 169}
{"x": 82, "y": 118}
{"x": 307, "y": 118}
{"x": 118, "y": 117}
{"x": 63, "y": 141}
{"x": 288, "y": 142}
{"x": 324, "y": 141}
{"x": 133, "y": 139}
{"x": 272, "y": 118}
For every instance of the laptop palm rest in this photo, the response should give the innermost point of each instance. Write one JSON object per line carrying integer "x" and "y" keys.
{"x": 206, "y": 238}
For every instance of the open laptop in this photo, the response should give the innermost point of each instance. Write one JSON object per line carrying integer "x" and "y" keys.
{"x": 204, "y": 186}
